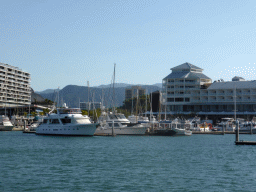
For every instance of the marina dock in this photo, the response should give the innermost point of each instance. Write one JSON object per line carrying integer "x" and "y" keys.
{"x": 237, "y": 142}
{"x": 245, "y": 142}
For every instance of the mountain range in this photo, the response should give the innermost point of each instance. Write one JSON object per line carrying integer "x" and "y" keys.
{"x": 72, "y": 94}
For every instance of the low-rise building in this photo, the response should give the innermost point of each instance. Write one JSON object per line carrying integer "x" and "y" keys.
{"x": 187, "y": 90}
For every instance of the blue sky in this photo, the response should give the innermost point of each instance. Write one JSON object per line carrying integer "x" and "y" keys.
{"x": 71, "y": 42}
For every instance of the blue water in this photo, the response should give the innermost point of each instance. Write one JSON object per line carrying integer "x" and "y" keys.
{"x": 126, "y": 163}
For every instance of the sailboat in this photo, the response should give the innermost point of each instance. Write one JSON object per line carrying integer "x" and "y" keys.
{"x": 117, "y": 123}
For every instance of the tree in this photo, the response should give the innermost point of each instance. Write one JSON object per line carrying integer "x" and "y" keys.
{"x": 45, "y": 111}
{"x": 127, "y": 104}
{"x": 33, "y": 113}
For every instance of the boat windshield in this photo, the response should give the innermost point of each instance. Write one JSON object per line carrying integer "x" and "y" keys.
{"x": 121, "y": 116}
{"x": 111, "y": 116}
{"x": 69, "y": 111}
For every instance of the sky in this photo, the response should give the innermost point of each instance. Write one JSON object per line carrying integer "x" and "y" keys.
{"x": 70, "y": 42}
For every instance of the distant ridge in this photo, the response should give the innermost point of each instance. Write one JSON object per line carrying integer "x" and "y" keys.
{"x": 46, "y": 91}
{"x": 72, "y": 94}
{"x": 118, "y": 85}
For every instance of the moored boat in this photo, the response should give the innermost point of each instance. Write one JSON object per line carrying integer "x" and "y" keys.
{"x": 5, "y": 123}
{"x": 67, "y": 121}
{"x": 118, "y": 124}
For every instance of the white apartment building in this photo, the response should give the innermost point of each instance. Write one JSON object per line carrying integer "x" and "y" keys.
{"x": 188, "y": 90}
{"x": 14, "y": 86}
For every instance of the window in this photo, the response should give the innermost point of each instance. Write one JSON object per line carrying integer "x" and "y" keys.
{"x": 54, "y": 121}
{"x": 187, "y": 99}
{"x": 45, "y": 121}
{"x": 170, "y": 99}
{"x": 179, "y": 99}
{"x": 66, "y": 120}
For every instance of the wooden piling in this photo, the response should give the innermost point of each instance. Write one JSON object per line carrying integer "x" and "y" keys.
{"x": 113, "y": 133}
{"x": 237, "y": 131}
{"x": 25, "y": 124}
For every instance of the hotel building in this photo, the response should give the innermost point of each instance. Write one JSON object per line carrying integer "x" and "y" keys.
{"x": 14, "y": 86}
{"x": 187, "y": 90}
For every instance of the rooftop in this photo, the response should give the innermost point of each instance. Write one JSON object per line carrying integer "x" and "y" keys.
{"x": 187, "y": 75}
{"x": 233, "y": 85}
{"x": 186, "y": 66}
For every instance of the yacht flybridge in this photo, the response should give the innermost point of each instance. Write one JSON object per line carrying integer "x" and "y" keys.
{"x": 67, "y": 121}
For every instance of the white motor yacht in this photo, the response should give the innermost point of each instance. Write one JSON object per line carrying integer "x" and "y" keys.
{"x": 5, "y": 123}
{"x": 67, "y": 121}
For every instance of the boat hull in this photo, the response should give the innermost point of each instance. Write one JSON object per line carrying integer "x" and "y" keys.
{"x": 164, "y": 132}
{"x": 122, "y": 130}
{"x": 68, "y": 130}
{"x": 6, "y": 128}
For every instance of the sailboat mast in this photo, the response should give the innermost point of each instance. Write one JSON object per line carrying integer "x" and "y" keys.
{"x": 151, "y": 108}
{"x": 88, "y": 99}
{"x": 102, "y": 99}
{"x": 132, "y": 102}
{"x": 114, "y": 88}
{"x": 160, "y": 110}
{"x": 165, "y": 100}
{"x": 146, "y": 104}
{"x": 58, "y": 101}
{"x": 137, "y": 105}
{"x": 235, "y": 103}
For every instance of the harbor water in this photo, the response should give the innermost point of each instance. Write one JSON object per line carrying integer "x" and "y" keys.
{"x": 126, "y": 163}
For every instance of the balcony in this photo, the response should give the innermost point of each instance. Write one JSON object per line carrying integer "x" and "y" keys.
{"x": 11, "y": 72}
{"x": 191, "y": 83}
{"x": 246, "y": 93}
{"x": 178, "y": 88}
{"x": 204, "y": 94}
{"x": 195, "y": 100}
{"x": 211, "y": 93}
{"x": 228, "y": 93}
